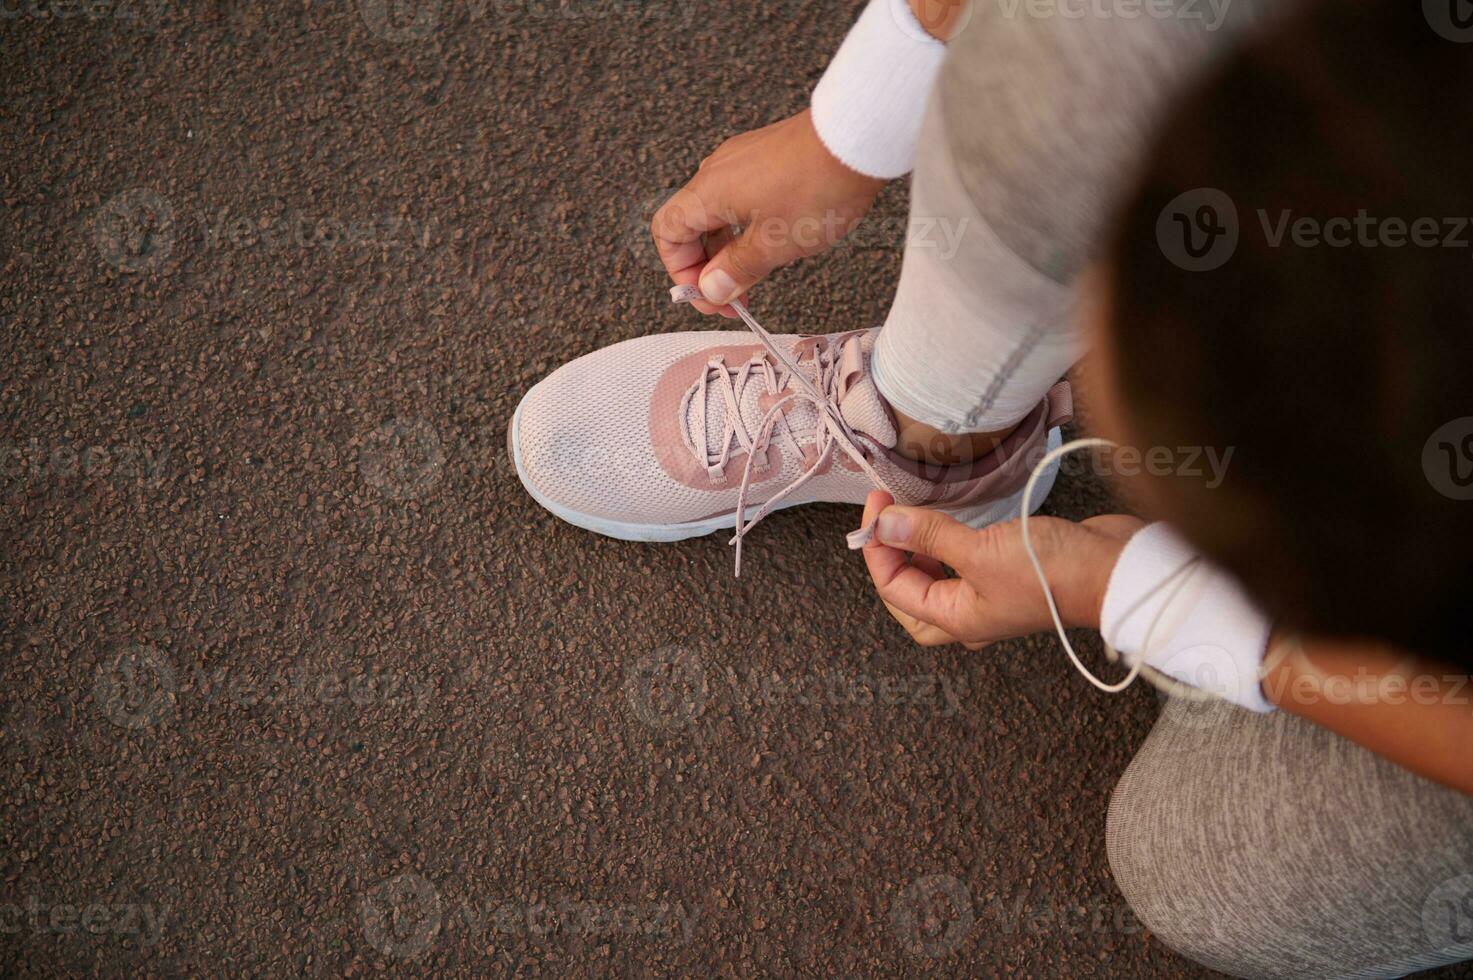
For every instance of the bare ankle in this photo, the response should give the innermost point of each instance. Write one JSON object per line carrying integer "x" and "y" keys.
{"x": 927, "y": 444}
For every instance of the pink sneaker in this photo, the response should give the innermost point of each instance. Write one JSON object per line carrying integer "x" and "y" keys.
{"x": 670, "y": 436}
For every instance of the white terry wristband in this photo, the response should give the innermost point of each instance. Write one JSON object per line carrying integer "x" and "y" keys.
{"x": 868, "y": 105}
{"x": 1193, "y": 624}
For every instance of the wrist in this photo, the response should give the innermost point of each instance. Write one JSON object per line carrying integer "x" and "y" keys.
{"x": 1169, "y": 608}
{"x": 868, "y": 105}
{"x": 1094, "y": 581}
{"x": 833, "y": 165}
{"x": 1077, "y": 561}
{"x": 1083, "y": 597}
{"x": 1280, "y": 667}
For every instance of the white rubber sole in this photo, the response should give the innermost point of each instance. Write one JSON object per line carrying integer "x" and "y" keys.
{"x": 978, "y": 516}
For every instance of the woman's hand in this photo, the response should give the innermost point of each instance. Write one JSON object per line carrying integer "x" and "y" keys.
{"x": 995, "y": 594}
{"x": 788, "y": 194}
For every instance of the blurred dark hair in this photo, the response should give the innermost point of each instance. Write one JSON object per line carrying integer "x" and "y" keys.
{"x": 1326, "y": 367}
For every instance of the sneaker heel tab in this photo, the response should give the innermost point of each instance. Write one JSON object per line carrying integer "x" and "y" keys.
{"x": 1060, "y": 400}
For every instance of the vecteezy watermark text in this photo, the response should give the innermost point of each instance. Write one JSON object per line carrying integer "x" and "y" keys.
{"x": 142, "y": 921}
{"x": 935, "y": 915}
{"x": 1200, "y": 230}
{"x": 300, "y": 229}
{"x": 147, "y": 12}
{"x": 139, "y": 686}
{"x": 35, "y": 462}
{"x": 414, "y": 20}
{"x": 1363, "y": 229}
{"x": 301, "y": 686}
{"x": 138, "y": 229}
{"x": 1206, "y": 463}
{"x": 1212, "y": 13}
{"x": 835, "y": 689}
{"x": 406, "y": 915}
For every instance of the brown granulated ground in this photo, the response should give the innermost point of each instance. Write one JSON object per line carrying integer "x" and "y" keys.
{"x": 299, "y": 680}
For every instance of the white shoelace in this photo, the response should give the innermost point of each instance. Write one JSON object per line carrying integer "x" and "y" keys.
{"x": 832, "y": 429}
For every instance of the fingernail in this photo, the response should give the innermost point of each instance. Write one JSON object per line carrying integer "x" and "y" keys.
{"x": 717, "y": 286}
{"x": 894, "y": 527}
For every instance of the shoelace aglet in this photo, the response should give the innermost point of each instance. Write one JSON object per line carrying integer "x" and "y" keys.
{"x": 861, "y": 536}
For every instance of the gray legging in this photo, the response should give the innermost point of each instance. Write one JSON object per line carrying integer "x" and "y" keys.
{"x": 1259, "y": 845}
{"x": 1034, "y": 125}
{"x": 1266, "y": 846}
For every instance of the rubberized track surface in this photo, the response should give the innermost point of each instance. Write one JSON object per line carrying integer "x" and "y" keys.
{"x": 298, "y": 679}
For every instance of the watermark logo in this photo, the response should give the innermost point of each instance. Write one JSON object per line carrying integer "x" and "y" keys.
{"x": 402, "y": 916}
{"x": 933, "y": 916}
{"x": 400, "y": 20}
{"x": 402, "y": 458}
{"x": 1451, "y": 19}
{"x": 1198, "y": 230}
{"x": 636, "y": 236}
{"x": 1447, "y": 915}
{"x": 134, "y": 231}
{"x": 1447, "y": 459}
{"x": 136, "y": 688}
{"x": 1200, "y": 679}
{"x": 667, "y": 687}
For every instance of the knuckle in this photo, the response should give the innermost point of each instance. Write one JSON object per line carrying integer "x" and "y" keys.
{"x": 926, "y": 532}
{"x": 745, "y": 259}
{"x": 983, "y": 547}
{"x": 667, "y": 215}
{"x": 1046, "y": 534}
{"x": 686, "y": 207}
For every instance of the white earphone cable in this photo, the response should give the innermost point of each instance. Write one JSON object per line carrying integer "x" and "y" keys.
{"x": 1177, "y": 580}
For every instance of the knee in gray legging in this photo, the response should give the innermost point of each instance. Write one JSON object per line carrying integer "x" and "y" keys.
{"x": 1178, "y": 897}
{"x": 1266, "y": 846}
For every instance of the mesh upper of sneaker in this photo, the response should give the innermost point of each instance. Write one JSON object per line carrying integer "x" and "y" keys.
{"x": 586, "y": 434}
{"x": 584, "y": 448}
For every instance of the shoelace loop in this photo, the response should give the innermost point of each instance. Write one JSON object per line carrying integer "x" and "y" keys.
{"x": 832, "y": 430}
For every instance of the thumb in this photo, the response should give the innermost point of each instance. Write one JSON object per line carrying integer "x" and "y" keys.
{"x": 929, "y": 532}
{"x": 744, "y": 262}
